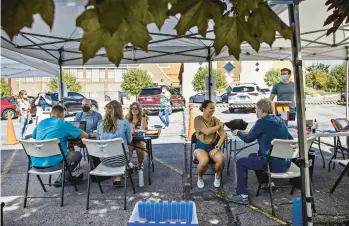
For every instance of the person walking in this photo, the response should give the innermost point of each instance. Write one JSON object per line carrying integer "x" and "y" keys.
{"x": 164, "y": 112}
{"x": 284, "y": 91}
{"x": 24, "y": 112}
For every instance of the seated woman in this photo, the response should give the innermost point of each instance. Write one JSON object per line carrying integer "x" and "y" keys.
{"x": 210, "y": 138}
{"x": 113, "y": 126}
{"x": 138, "y": 120}
{"x": 267, "y": 128}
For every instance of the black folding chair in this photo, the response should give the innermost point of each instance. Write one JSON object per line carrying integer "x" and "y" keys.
{"x": 195, "y": 162}
{"x": 44, "y": 148}
{"x": 345, "y": 164}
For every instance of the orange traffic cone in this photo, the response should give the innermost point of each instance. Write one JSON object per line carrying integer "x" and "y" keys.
{"x": 191, "y": 122}
{"x": 11, "y": 136}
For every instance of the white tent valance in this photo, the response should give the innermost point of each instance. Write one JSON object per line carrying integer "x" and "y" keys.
{"x": 42, "y": 43}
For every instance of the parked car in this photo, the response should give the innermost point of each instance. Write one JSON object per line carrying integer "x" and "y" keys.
{"x": 72, "y": 103}
{"x": 150, "y": 97}
{"x": 266, "y": 92}
{"x": 247, "y": 93}
{"x": 343, "y": 97}
{"x": 225, "y": 98}
{"x": 200, "y": 97}
{"x": 8, "y": 105}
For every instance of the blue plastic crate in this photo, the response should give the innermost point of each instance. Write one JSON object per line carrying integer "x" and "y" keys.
{"x": 164, "y": 213}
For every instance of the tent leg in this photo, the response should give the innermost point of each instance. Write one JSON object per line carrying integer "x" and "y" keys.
{"x": 60, "y": 78}
{"x": 346, "y": 89}
{"x": 209, "y": 74}
{"x": 300, "y": 105}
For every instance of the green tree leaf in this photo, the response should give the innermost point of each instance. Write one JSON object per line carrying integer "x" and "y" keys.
{"x": 232, "y": 32}
{"x": 199, "y": 79}
{"x": 128, "y": 25}
{"x": 72, "y": 83}
{"x": 272, "y": 77}
{"x": 159, "y": 11}
{"x": 16, "y": 14}
{"x": 316, "y": 79}
{"x": 340, "y": 14}
{"x": 5, "y": 90}
{"x": 196, "y": 13}
{"x": 243, "y": 7}
{"x": 336, "y": 78}
{"x": 134, "y": 80}
{"x": 264, "y": 23}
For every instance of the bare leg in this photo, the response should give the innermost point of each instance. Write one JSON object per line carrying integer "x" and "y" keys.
{"x": 141, "y": 153}
{"x": 203, "y": 158}
{"x": 218, "y": 158}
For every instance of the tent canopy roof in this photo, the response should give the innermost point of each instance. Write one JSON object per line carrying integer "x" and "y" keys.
{"x": 165, "y": 47}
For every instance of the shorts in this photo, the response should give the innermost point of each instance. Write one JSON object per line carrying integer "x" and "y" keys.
{"x": 206, "y": 147}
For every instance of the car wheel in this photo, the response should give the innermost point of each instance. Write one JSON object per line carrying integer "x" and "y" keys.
{"x": 5, "y": 113}
{"x": 94, "y": 107}
{"x": 191, "y": 100}
{"x": 231, "y": 110}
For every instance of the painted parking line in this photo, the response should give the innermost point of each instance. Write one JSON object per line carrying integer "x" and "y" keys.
{"x": 8, "y": 165}
{"x": 267, "y": 214}
{"x": 169, "y": 166}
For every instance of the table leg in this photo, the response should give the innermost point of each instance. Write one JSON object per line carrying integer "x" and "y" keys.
{"x": 149, "y": 162}
{"x": 235, "y": 173}
{"x": 334, "y": 156}
{"x": 229, "y": 145}
{"x": 322, "y": 155}
{"x": 152, "y": 157}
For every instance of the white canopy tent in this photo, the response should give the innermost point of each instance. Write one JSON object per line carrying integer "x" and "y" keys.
{"x": 60, "y": 46}
{"x": 13, "y": 69}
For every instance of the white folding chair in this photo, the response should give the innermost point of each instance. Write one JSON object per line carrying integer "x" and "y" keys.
{"x": 285, "y": 149}
{"x": 106, "y": 149}
{"x": 44, "y": 148}
{"x": 345, "y": 164}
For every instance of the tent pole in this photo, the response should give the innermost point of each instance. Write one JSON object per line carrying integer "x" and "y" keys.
{"x": 209, "y": 74}
{"x": 346, "y": 89}
{"x": 60, "y": 78}
{"x": 300, "y": 105}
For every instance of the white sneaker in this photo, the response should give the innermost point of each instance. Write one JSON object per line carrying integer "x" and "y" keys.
{"x": 217, "y": 182}
{"x": 201, "y": 183}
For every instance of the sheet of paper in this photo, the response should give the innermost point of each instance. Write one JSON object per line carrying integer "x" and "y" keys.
{"x": 279, "y": 108}
{"x": 284, "y": 115}
{"x": 286, "y": 108}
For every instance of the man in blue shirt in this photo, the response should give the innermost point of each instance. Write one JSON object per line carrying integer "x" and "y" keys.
{"x": 56, "y": 127}
{"x": 91, "y": 117}
{"x": 267, "y": 128}
{"x": 284, "y": 91}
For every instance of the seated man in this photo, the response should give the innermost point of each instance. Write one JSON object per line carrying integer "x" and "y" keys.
{"x": 91, "y": 117}
{"x": 56, "y": 127}
{"x": 267, "y": 128}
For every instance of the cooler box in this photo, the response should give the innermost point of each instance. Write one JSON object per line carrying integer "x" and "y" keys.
{"x": 163, "y": 213}
{"x": 282, "y": 109}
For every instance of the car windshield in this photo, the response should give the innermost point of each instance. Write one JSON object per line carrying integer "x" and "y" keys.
{"x": 150, "y": 92}
{"x": 240, "y": 89}
{"x": 265, "y": 90}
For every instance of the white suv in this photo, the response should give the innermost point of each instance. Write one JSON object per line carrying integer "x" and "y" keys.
{"x": 244, "y": 93}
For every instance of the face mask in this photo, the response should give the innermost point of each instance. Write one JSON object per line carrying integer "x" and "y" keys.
{"x": 284, "y": 78}
{"x": 258, "y": 116}
{"x": 86, "y": 108}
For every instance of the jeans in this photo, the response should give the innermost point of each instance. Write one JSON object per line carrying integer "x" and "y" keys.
{"x": 166, "y": 119}
{"x": 24, "y": 120}
{"x": 255, "y": 162}
{"x": 73, "y": 159}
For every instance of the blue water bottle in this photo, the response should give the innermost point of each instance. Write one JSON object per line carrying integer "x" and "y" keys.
{"x": 297, "y": 216}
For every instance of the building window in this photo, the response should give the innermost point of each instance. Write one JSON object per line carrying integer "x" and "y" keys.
{"x": 111, "y": 74}
{"x": 118, "y": 74}
{"x": 95, "y": 75}
{"x": 102, "y": 75}
{"x": 88, "y": 74}
{"x": 80, "y": 74}
{"x": 29, "y": 80}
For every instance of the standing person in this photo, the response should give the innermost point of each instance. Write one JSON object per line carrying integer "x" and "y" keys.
{"x": 139, "y": 120}
{"x": 114, "y": 126}
{"x": 267, "y": 128}
{"x": 91, "y": 117}
{"x": 164, "y": 113}
{"x": 210, "y": 138}
{"x": 42, "y": 102}
{"x": 24, "y": 111}
{"x": 284, "y": 91}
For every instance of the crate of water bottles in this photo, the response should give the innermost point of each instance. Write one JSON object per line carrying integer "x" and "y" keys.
{"x": 164, "y": 213}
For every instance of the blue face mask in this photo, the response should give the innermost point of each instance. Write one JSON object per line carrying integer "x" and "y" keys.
{"x": 284, "y": 78}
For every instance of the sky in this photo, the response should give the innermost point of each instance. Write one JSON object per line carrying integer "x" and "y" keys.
{"x": 332, "y": 63}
